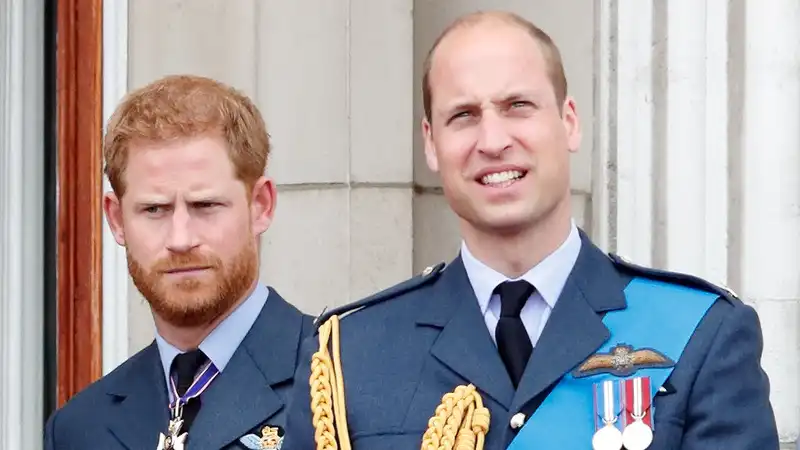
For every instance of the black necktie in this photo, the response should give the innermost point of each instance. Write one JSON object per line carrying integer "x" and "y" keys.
{"x": 513, "y": 341}
{"x": 185, "y": 367}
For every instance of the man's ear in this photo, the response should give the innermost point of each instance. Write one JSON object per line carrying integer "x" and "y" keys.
{"x": 113, "y": 212}
{"x": 262, "y": 206}
{"x": 572, "y": 124}
{"x": 430, "y": 148}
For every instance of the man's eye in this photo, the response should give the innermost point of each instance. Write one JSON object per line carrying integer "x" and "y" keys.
{"x": 460, "y": 115}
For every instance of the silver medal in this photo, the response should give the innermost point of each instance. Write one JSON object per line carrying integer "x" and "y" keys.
{"x": 607, "y": 438}
{"x": 637, "y": 436}
{"x": 173, "y": 441}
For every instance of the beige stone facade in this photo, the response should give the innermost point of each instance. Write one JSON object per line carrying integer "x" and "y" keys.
{"x": 689, "y": 162}
{"x": 358, "y": 209}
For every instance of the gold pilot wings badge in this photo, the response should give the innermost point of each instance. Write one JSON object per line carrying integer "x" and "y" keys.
{"x": 622, "y": 360}
{"x": 271, "y": 439}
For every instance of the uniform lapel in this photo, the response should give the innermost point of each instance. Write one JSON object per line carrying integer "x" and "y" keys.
{"x": 142, "y": 409}
{"x": 464, "y": 344}
{"x": 242, "y": 396}
{"x": 575, "y": 329}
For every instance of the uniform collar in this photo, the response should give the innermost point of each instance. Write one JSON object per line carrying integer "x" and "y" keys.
{"x": 549, "y": 276}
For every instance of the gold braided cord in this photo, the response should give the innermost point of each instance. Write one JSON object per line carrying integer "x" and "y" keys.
{"x": 459, "y": 423}
{"x": 325, "y": 399}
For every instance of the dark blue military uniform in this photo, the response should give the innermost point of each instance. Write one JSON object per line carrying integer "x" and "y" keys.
{"x": 404, "y": 348}
{"x": 127, "y": 409}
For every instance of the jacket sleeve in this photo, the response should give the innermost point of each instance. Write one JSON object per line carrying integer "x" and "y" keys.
{"x": 49, "y": 433}
{"x": 299, "y": 432}
{"x": 729, "y": 405}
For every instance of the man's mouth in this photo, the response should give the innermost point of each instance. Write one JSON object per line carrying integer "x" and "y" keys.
{"x": 187, "y": 269}
{"x": 501, "y": 179}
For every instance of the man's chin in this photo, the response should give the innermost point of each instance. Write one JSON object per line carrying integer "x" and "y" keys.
{"x": 192, "y": 308}
{"x": 187, "y": 317}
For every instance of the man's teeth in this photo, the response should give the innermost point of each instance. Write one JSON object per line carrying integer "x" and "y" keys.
{"x": 501, "y": 177}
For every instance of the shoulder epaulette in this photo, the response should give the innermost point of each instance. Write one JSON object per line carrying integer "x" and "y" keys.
{"x": 682, "y": 279}
{"x": 428, "y": 275}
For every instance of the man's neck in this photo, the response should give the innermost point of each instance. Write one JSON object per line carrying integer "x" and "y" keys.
{"x": 514, "y": 254}
{"x": 189, "y": 338}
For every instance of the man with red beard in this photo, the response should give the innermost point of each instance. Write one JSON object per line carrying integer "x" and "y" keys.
{"x": 186, "y": 157}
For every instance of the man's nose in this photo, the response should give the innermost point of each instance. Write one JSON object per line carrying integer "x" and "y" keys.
{"x": 493, "y": 136}
{"x": 181, "y": 237}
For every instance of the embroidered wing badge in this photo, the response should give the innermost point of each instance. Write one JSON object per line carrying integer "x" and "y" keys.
{"x": 622, "y": 361}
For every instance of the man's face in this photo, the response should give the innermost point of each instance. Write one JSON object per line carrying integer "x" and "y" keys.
{"x": 189, "y": 227}
{"x": 497, "y": 135}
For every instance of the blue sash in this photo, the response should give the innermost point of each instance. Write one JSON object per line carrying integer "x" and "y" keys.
{"x": 659, "y": 316}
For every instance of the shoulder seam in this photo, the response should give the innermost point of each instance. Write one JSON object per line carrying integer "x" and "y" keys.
{"x": 428, "y": 275}
{"x": 684, "y": 279}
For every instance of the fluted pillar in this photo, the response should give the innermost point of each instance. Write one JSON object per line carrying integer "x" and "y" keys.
{"x": 116, "y": 281}
{"x": 768, "y": 160}
{"x": 21, "y": 222}
{"x": 698, "y": 150}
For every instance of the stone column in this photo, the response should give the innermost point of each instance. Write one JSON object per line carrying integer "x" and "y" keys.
{"x": 21, "y": 223}
{"x": 697, "y": 156}
{"x": 116, "y": 281}
{"x": 768, "y": 160}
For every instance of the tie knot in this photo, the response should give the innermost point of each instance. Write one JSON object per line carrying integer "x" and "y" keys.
{"x": 185, "y": 367}
{"x": 513, "y": 295}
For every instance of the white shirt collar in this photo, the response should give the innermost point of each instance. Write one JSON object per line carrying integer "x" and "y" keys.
{"x": 549, "y": 276}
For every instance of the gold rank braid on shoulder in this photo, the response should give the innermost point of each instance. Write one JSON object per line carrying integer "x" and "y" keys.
{"x": 325, "y": 400}
{"x": 460, "y": 422}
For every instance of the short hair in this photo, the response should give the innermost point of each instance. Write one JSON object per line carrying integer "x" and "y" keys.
{"x": 552, "y": 55}
{"x": 187, "y": 106}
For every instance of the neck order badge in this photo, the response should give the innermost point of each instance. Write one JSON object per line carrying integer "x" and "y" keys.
{"x": 174, "y": 439}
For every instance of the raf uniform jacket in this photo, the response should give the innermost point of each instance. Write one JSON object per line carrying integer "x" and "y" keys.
{"x": 404, "y": 348}
{"x": 127, "y": 409}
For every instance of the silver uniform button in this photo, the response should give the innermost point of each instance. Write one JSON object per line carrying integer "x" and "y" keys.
{"x": 517, "y": 420}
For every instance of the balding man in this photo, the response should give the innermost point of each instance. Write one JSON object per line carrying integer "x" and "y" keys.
{"x": 532, "y": 337}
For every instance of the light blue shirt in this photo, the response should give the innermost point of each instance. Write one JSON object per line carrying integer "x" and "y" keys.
{"x": 223, "y": 341}
{"x": 548, "y": 277}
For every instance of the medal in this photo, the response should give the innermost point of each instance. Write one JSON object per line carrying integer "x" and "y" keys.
{"x": 174, "y": 440}
{"x": 607, "y": 438}
{"x": 637, "y": 435}
{"x": 607, "y": 409}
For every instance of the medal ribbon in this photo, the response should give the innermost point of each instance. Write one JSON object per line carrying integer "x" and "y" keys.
{"x": 607, "y": 404}
{"x": 637, "y": 400}
{"x": 199, "y": 385}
